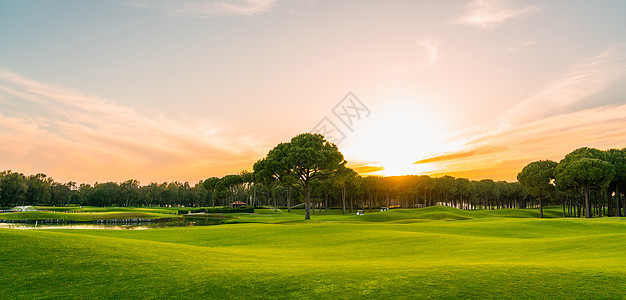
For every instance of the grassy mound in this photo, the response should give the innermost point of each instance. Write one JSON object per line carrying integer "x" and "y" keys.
{"x": 165, "y": 210}
{"x": 397, "y": 215}
{"x": 82, "y": 217}
{"x": 485, "y": 255}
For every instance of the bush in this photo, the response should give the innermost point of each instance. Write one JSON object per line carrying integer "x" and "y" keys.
{"x": 230, "y": 210}
{"x": 222, "y": 210}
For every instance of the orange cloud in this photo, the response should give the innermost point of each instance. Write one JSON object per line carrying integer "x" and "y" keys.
{"x": 550, "y": 138}
{"x": 502, "y": 170}
{"x": 483, "y": 150}
{"x": 366, "y": 169}
{"x": 72, "y": 136}
{"x": 547, "y": 125}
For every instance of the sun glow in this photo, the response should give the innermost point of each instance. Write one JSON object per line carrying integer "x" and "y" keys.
{"x": 397, "y": 134}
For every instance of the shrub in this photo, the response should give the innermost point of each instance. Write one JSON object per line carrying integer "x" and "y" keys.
{"x": 222, "y": 210}
{"x": 230, "y": 210}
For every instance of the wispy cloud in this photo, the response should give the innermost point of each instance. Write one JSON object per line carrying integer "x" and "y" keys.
{"x": 548, "y": 138}
{"x": 547, "y": 125}
{"x": 514, "y": 48}
{"x": 55, "y": 129}
{"x": 478, "y": 151}
{"x": 432, "y": 49}
{"x": 207, "y": 8}
{"x": 584, "y": 79}
{"x": 366, "y": 169}
{"x": 426, "y": 55}
{"x": 493, "y": 13}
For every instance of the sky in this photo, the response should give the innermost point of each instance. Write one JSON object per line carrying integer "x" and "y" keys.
{"x": 95, "y": 91}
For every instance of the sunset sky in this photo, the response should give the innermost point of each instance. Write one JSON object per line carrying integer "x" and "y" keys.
{"x": 183, "y": 90}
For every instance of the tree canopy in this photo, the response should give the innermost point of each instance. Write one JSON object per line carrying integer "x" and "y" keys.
{"x": 538, "y": 178}
{"x": 296, "y": 163}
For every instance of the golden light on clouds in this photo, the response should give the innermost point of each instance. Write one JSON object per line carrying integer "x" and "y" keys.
{"x": 546, "y": 125}
{"x": 184, "y": 90}
{"x": 491, "y": 14}
{"x": 398, "y": 131}
{"x": 502, "y": 154}
{"x": 70, "y": 133}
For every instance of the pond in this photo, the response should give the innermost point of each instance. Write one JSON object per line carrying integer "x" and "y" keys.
{"x": 72, "y": 226}
{"x": 134, "y": 224}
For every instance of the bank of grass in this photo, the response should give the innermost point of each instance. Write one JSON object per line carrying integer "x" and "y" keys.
{"x": 394, "y": 215}
{"x": 149, "y": 209}
{"x": 428, "y": 253}
{"x": 84, "y": 216}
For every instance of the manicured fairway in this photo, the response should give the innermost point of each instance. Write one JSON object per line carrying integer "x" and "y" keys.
{"x": 426, "y": 253}
{"x": 111, "y": 209}
{"x": 85, "y": 216}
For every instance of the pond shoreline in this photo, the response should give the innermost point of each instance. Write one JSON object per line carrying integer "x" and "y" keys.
{"x": 24, "y": 226}
{"x": 103, "y": 221}
{"x": 127, "y": 223}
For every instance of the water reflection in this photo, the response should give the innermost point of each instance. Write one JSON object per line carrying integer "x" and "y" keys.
{"x": 185, "y": 221}
{"x": 72, "y": 226}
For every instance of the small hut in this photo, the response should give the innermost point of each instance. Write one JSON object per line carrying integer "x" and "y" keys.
{"x": 238, "y": 204}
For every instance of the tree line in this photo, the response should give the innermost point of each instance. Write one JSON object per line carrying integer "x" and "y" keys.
{"x": 343, "y": 189}
{"x": 587, "y": 180}
{"x": 16, "y": 189}
{"x": 309, "y": 172}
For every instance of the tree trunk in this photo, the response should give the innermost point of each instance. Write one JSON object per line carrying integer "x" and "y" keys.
{"x": 376, "y": 197}
{"x": 610, "y": 200}
{"x": 288, "y": 199}
{"x": 619, "y": 196}
{"x": 387, "y": 200}
{"x": 351, "y": 203}
{"x": 540, "y": 206}
{"x": 343, "y": 200}
{"x": 307, "y": 201}
{"x": 326, "y": 200}
{"x": 619, "y": 207}
{"x": 601, "y": 206}
{"x": 587, "y": 207}
{"x": 417, "y": 199}
{"x": 254, "y": 197}
{"x": 274, "y": 198}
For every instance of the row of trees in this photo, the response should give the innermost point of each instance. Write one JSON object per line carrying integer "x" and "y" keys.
{"x": 18, "y": 189}
{"x": 587, "y": 179}
{"x": 343, "y": 188}
{"x": 314, "y": 168}
{"x": 310, "y": 171}
{"x": 353, "y": 192}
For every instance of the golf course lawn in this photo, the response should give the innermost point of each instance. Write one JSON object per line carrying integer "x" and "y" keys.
{"x": 435, "y": 252}
{"x": 151, "y": 209}
{"x": 86, "y": 216}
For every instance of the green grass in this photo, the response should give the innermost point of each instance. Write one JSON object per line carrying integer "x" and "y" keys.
{"x": 436, "y": 252}
{"x": 151, "y": 209}
{"x": 87, "y": 216}
{"x": 396, "y": 215}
